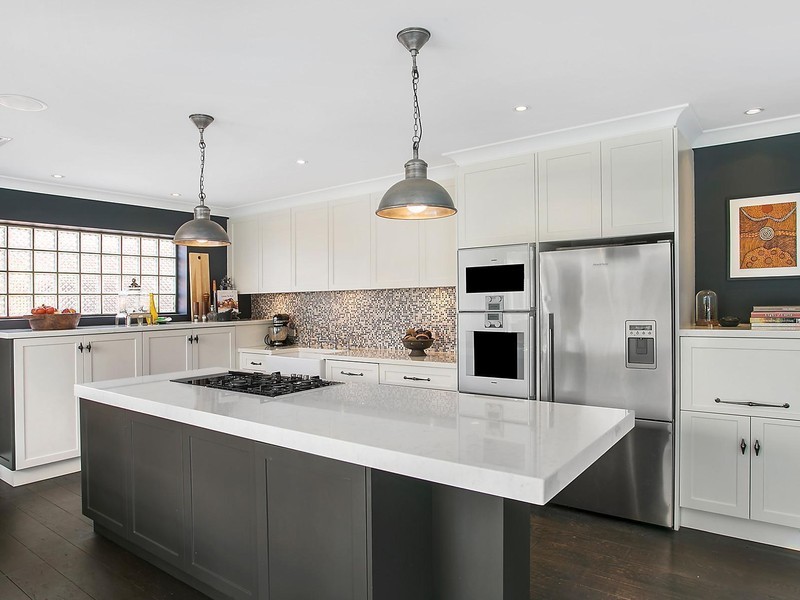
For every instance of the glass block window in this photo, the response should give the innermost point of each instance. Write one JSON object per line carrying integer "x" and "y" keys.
{"x": 84, "y": 270}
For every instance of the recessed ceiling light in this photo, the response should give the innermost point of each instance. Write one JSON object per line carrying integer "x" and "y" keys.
{"x": 301, "y": 161}
{"x": 57, "y": 176}
{"x": 175, "y": 195}
{"x": 521, "y": 108}
{"x": 754, "y": 111}
{"x": 4, "y": 140}
{"x": 21, "y": 103}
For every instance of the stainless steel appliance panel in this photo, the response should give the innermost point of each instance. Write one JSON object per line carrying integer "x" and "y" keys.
{"x": 606, "y": 328}
{"x": 633, "y": 480}
{"x": 499, "y": 278}
{"x": 494, "y": 354}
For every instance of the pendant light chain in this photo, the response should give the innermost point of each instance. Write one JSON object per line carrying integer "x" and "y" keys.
{"x": 417, "y": 116}
{"x": 202, "y": 194}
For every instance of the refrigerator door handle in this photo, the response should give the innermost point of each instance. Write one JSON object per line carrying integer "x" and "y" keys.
{"x": 549, "y": 392}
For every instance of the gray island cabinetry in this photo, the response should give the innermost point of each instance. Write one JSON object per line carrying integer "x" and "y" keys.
{"x": 346, "y": 492}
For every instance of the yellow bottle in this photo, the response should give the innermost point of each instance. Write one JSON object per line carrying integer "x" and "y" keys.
{"x": 153, "y": 312}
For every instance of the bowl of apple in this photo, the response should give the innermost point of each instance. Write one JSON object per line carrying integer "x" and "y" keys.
{"x": 47, "y": 318}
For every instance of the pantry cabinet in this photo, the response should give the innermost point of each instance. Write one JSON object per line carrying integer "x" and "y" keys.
{"x": 496, "y": 203}
{"x": 185, "y": 349}
{"x": 45, "y": 372}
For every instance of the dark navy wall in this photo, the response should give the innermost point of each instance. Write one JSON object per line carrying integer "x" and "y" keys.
{"x": 33, "y": 207}
{"x": 741, "y": 170}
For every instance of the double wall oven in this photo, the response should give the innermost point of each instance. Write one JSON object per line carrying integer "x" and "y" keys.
{"x": 496, "y": 302}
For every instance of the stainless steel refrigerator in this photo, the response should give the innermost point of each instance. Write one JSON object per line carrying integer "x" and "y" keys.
{"x": 607, "y": 340}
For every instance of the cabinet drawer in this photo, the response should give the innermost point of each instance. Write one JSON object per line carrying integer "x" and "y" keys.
{"x": 343, "y": 370}
{"x": 423, "y": 377}
{"x": 252, "y": 361}
{"x": 758, "y": 371}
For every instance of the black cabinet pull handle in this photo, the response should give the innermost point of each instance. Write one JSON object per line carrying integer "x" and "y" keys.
{"x": 89, "y": 347}
{"x": 417, "y": 378}
{"x": 80, "y": 347}
{"x": 190, "y": 339}
{"x": 743, "y": 445}
{"x": 757, "y": 447}
{"x": 351, "y": 374}
{"x": 784, "y": 405}
{"x": 196, "y": 339}
{"x": 255, "y": 363}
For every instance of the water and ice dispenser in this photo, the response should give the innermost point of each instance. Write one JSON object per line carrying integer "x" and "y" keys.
{"x": 640, "y": 342}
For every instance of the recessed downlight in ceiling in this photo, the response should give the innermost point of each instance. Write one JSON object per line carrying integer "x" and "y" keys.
{"x": 175, "y": 195}
{"x": 57, "y": 176}
{"x": 24, "y": 103}
{"x": 521, "y": 108}
{"x": 4, "y": 140}
{"x": 301, "y": 161}
{"x": 753, "y": 111}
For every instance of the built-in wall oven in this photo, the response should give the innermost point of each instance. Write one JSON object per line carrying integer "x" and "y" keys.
{"x": 496, "y": 321}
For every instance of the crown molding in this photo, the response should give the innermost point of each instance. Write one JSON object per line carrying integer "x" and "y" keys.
{"x": 442, "y": 174}
{"x": 749, "y": 131}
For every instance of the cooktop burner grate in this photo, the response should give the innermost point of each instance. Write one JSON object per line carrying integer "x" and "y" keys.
{"x": 263, "y": 384}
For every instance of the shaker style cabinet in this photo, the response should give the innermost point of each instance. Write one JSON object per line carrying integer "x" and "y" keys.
{"x": 45, "y": 371}
{"x": 261, "y": 255}
{"x": 740, "y": 428}
{"x": 246, "y": 254}
{"x": 496, "y": 203}
{"x": 187, "y": 349}
{"x": 310, "y": 258}
{"x": 351, "y": 243}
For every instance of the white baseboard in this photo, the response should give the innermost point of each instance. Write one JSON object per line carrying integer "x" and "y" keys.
{"x": 754, "y": 531}
{"x": 33, "y": 474}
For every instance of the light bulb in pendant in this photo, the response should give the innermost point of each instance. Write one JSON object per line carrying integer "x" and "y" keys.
{"x": 417, "y": 208}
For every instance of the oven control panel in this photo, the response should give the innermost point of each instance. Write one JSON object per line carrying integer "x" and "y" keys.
{"x": 493, "y": 321}
{"x": 640, "y": 342}
{"x": 494, "y": 303}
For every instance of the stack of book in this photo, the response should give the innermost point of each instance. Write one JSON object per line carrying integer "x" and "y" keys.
{"x": 775, "y": 317}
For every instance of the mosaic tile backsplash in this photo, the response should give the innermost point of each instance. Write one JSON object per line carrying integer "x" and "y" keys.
{"x": 365, "y": 318}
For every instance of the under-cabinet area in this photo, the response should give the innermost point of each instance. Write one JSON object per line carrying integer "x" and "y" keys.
{"x": 740, "y": 437}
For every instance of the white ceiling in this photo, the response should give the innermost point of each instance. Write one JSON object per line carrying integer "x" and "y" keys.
{"x": 327, "y": 81}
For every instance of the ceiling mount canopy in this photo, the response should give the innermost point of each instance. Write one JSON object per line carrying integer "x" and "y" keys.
{"x": 416, "y": 197}
{"x": 201, "y": 231}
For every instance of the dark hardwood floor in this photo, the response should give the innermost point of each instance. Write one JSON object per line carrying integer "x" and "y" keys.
{"x": 48, "y": 551}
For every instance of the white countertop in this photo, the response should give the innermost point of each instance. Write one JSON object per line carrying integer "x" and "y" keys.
{"x": 742, "y": 331}
{"x": 10, "y": 334}
{"x": 518, "y": 449}
{"x": 374, "y": 355}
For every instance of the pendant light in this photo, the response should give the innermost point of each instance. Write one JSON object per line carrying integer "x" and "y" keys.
{"x": 201, "y": 231}
{"x": 416, "y": 197}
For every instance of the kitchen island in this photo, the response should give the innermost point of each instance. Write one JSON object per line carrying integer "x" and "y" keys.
{"x": 349, "y": 491}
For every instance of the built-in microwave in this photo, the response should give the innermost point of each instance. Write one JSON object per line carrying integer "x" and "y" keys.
{"x": 496, "y": 279}
{"x": 494, "y": 353}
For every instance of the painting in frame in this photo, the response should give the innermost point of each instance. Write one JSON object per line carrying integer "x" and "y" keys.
{"x": 762, "y": 236}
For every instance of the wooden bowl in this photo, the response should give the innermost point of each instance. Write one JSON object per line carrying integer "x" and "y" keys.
{"x": 417, "y": 347}
{"x": 54, "y": 321}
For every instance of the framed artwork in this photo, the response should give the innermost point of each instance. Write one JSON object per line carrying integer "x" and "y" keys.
{"x": 762, "y": 236}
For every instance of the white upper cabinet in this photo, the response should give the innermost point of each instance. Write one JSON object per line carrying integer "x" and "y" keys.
{"x": 639, "y": 184}
{"x": 396, "y": 251}
{"x": 311, "y": 247}
{"x": 276, "y": 251}
{"x": 496, "y": 203}
{"x": 439, "y": 250}
{"x": 246, "y": 254}
{"x": 351, "y": 243}
{"x": 569, "y": 193}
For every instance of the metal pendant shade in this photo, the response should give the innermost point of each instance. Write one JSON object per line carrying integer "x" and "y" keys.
{"x": 416, "y": 197}
{"x": 201, "y": 231}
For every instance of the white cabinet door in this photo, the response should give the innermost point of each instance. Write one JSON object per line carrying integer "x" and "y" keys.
{"x": 395, "y": 252}
{"x": 351, "y": 243}
{"x": 166, "y": 351}
{"x": 775, "y": 471}
{"x": 639, "y": 184}
{"x": 246, "y": 252}
{"x": 496, "y": 203}
{"x": 112, "y": 356}
{"x": 715, "y": 471}
{"x": 214, "y": 347}
{"x": 569, "y": 193}
{"x": 276, "y": 251}
{"x": 310, "y": 240}
{"x": 45, "y": 408}
{"x": 439, "y": 250}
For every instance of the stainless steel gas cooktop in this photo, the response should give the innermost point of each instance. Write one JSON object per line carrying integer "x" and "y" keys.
{"x": 263, "y": 384}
